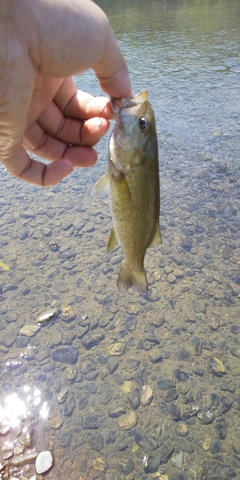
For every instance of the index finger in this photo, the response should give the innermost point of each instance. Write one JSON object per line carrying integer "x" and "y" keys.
{"x": 78, "y": 104}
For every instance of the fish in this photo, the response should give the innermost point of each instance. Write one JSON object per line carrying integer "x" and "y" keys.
{"x": 132, "y": 182}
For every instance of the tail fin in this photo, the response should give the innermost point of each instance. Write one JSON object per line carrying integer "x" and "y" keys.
{"x": 132, "y": 278}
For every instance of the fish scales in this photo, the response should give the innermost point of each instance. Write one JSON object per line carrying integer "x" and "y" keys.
{"x": 133, "y": 179}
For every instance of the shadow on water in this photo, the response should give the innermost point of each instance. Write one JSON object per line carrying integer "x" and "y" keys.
{"x": 128, "y": 386}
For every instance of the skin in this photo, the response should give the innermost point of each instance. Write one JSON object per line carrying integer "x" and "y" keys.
{"x": 43, "y": 43}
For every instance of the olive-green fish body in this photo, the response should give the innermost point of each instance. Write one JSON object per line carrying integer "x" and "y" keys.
{"x": 133, "y": 176}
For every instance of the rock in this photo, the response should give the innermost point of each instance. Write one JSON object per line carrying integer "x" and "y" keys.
{"x": 90, "y": 341}
{"x": 127, "y": 421}
{"x": 99, "y": 464}
{"x": 112, "y": 365}
{"x": 82, "y": 402}
{"x": 121, "y": 443}
{"x": 96, "y": 441}
{"x": 185, "y": 355}
{"x": 177, "y": 459}
{"x": 116, "y": 411}
{"x": 91, "y": 422}
{"x": 172, "y": 394}
{"x": 44, "y": 462}
{"x": 153, "y": 462}
{"x": 146, "y": 395}
{"x": 182, "y": 429}
{"x": 166, "y": 450}
{"x": 165, "y": 384}
{"x": 147, "y": 443}
{"x": 217, "y": 471}
{"x": 23, "y": 459}
{"x": 235, "y": 350}
{"x": 131, "y": 323}
{"x": 66, "y": 355}
{"x": 29, "y": 330}
{"x": 134, "y": 398}
{"x": 126, "y": 387}
{"x": 217, "y": 366}
{"x": 117, "y": 348}
{"x": 68, "y": 407}
{"x": 206, "y": 416}
{"x": 125, "y": 466}
{"x": 9, "y": 339}
{"x": 46, "y": 315}
{"x": 221, "y": 428}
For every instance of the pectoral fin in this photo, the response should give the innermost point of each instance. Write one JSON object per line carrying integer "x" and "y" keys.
{"x": 101, "y": 187}
{"x": 112, "y": 241}
{"x": 121, "y": 190}
{"x": 157, "y": 239}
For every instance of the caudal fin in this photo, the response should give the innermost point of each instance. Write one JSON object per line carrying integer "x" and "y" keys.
{"x": 132, "y": 278}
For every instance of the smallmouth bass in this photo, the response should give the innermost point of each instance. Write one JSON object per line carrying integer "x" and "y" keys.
{"x": 133, "y": 184}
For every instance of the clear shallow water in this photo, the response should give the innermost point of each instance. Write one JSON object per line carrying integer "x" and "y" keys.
{"x": 64, "y": 383}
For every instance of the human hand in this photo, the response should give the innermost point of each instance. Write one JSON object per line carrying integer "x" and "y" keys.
{"x": 42, "y": 44}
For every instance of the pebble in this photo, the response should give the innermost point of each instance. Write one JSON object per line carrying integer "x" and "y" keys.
{"x": 117, "y": 348}
{"x": 90, "y": 341}
{"x": 46, "y": 315}
{"x": 147, "y": 443}
{"x": 182, "y": 429}
{"x": 185, "y": 355}
{"x": 131, "y": 323}
{"x": 91, "y": 422}
{"x": 23, "y": 459}
{"x": 44, "y": 462}
{"x": 217, "y": 366}
{"x": 177, "y": 459}
{"x": 153, "y": 462}
{"x": 165, "y": 384}
{"x": 125, "y": 466}
{"x": 66, "y": 355}
{"x": 29, "y": 330}
{"x": 134, "y": 398}
{"x": 96, "y": 441}
{"x": 128, "y": 421}
{"x": 146, "y": 395}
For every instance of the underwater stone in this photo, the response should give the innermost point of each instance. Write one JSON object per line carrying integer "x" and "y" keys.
{"x": 90, "y": 341}
{"x": 44, "y": 462}
{"x": 125, "y": 466}
{"x": 217, "y": 471}
{"x": 165, "y": 384}
{"x": 29, "y": 330}
{"x": 117, "y": 348}
{"x": 96, "y": 442}
{"x": 66, "y": 355}
{"x": 90, "y": 422}
{"x": 217, "y": 366}
{"x": 147, "y": 443}
{"x": 127, "y": 421}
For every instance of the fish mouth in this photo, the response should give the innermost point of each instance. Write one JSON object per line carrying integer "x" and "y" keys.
{"x": 119, "y": 104}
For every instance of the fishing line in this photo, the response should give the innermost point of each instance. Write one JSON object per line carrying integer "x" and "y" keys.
{"x": 99, "y": 124}
{"x": 99, "y": 118}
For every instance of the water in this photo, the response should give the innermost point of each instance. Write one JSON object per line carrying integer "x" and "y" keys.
{"x": 62, "y": 386}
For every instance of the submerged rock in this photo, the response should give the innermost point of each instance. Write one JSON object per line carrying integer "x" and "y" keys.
{"x": 44, "y": 462}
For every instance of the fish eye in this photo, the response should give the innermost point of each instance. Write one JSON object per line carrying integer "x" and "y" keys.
{"x": 143, "y": 123}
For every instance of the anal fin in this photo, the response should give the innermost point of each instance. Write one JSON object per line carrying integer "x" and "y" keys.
{"x": 157, "y": 238}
